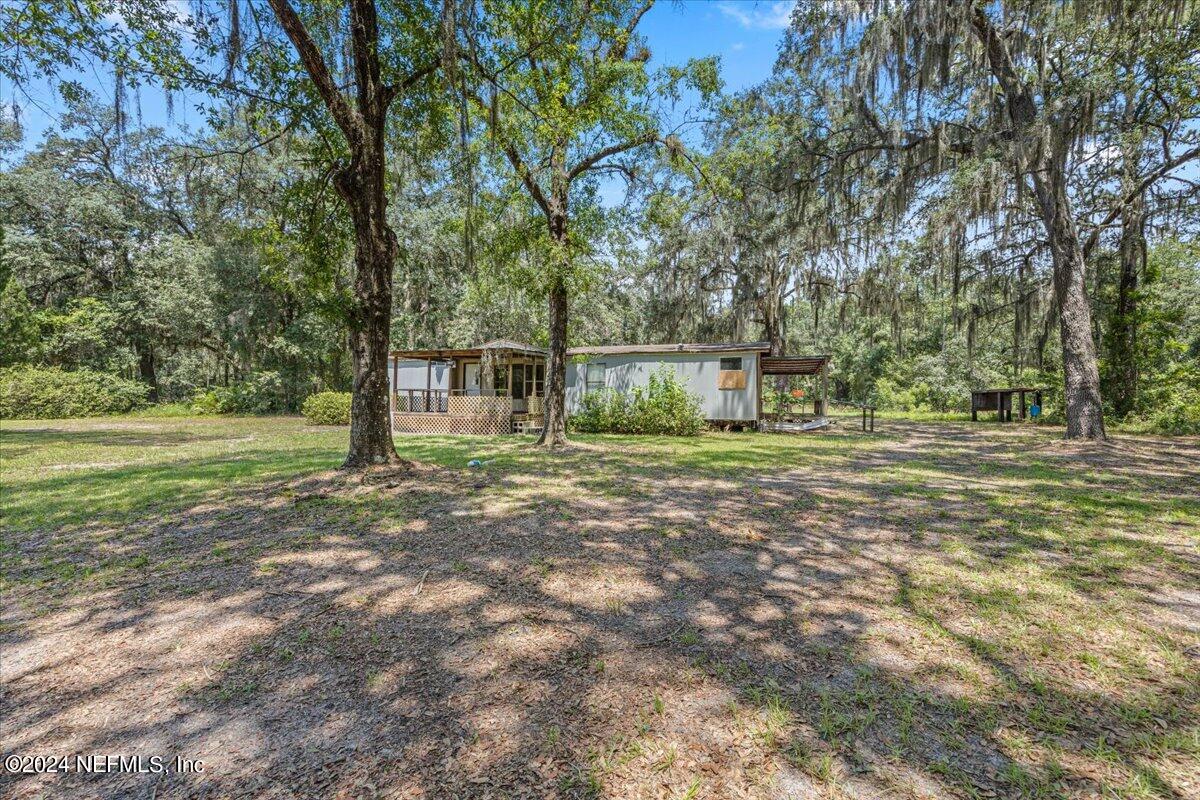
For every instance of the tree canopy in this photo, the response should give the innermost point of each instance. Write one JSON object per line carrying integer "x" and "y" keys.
{"x": 940, "y": 195}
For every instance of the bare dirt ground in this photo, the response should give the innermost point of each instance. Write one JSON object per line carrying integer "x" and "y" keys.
{"x": 936, "y": 611}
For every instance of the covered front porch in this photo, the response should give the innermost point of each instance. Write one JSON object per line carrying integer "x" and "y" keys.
{"x": 492, "y": 389}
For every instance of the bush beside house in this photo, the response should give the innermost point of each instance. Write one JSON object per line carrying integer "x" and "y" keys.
{"x": 664, "y": 407}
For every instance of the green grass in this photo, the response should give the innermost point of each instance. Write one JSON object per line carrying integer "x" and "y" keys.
{"x": 109, "y": 470}
{"x": 112, "y": 469}
{"x": 1025, "y": 608}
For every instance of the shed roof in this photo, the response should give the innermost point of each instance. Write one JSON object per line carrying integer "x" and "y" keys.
{"x": 623, "y": 349}
{"x": 793, "y": 365}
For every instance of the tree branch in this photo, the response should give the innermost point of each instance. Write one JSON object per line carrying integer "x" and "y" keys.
{"x": 612, "y": 150}
{"x": 346, "y": 117}
{"x": 373, "y": 97}
{"x": 1132, "y": 195}
{"x": 620, "y": 49}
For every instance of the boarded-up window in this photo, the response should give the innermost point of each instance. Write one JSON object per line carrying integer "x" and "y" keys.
{"x": 731, "y": 376}
{"x": 595, "y": 376}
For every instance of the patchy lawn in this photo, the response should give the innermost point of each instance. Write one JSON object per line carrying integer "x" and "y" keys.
{"x": 935, "y": 610}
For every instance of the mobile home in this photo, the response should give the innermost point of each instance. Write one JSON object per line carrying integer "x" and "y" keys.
{"x": 499, "y": 387}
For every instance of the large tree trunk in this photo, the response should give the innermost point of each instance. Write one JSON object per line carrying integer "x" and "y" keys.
{"x": 361, "y": 185}
{"x": 554, "y": 429}
{"x": 554, "y": 426}
{"x": 146, "y": 370}
{"x": 1123, "y": 336}
{"x": 1081, "y": 376}
{"x": 773, "y": 332}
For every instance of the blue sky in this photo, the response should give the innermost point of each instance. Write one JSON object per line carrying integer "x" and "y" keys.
{"x": 744, "y": 33}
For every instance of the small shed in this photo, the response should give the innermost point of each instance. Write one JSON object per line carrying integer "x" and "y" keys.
{"x": 1001, "y": 401}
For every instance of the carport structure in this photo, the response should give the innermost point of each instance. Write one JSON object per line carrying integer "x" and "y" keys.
{"x": 797, "y": 365}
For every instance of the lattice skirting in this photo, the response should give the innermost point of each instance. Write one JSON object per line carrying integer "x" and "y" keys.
{"x": 464, "y": 424}
{"x": 479, "y": 405}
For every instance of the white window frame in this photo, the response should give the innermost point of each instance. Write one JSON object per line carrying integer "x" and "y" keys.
{"x": 587, "y": 376}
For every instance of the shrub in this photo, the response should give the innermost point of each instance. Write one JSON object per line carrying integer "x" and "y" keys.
{"x": 51, "y": 393}
{"x": 1176, "y": 414}
{"x": 603, "y": 411}
{"x": 261, "y": 393}
{"x": 212, "y": 401}
{"x": 665, "y": 406}
{"x": 327, "y": 408}
{"x": 889, "y": 396}
{"x": 1178, "y": 419}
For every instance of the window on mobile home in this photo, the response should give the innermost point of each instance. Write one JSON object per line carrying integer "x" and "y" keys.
{"x": 595, "y": 376}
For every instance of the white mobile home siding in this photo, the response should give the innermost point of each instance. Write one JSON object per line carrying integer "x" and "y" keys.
{"x": 697, "y": 370}
{"x": 411, "y": 375}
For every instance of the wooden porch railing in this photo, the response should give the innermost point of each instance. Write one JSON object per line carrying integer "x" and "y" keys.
{"x": 421, "y": 401}
{"x": 457, "y": 401}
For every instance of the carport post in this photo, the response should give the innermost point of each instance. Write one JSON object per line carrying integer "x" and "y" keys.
{"x": 824, "y": 388}
{"x": 758, "y": 390}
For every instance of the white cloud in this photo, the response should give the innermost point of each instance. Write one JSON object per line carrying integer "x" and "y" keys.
{"x": 737, "y": 47}
{"x": 759, "y": 14}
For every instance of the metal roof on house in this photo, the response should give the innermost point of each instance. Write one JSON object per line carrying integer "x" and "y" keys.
{"x": 510, "y": 344}
{"x": 622, "y": 349}
{"x": 471, "y": 352}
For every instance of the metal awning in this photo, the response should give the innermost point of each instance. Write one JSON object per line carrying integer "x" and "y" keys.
{"x": 793, "y": 365}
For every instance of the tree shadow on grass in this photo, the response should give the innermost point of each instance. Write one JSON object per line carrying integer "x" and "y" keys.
{"x": 24, "y": 439}
{"x": 113, "y": 493}
{"x": 520, "y": 631}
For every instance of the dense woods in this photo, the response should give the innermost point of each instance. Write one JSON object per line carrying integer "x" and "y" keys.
{"x": 941, "y": 195}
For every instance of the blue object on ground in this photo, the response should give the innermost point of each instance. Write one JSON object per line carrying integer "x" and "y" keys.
{"x": 475, "y": 462}
{"x": 1035, "y": 410}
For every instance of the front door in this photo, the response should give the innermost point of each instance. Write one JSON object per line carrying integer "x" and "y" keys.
{"x": 471, "y": 379}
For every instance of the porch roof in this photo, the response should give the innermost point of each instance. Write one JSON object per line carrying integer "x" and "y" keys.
{"x": 471, "y": 352}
